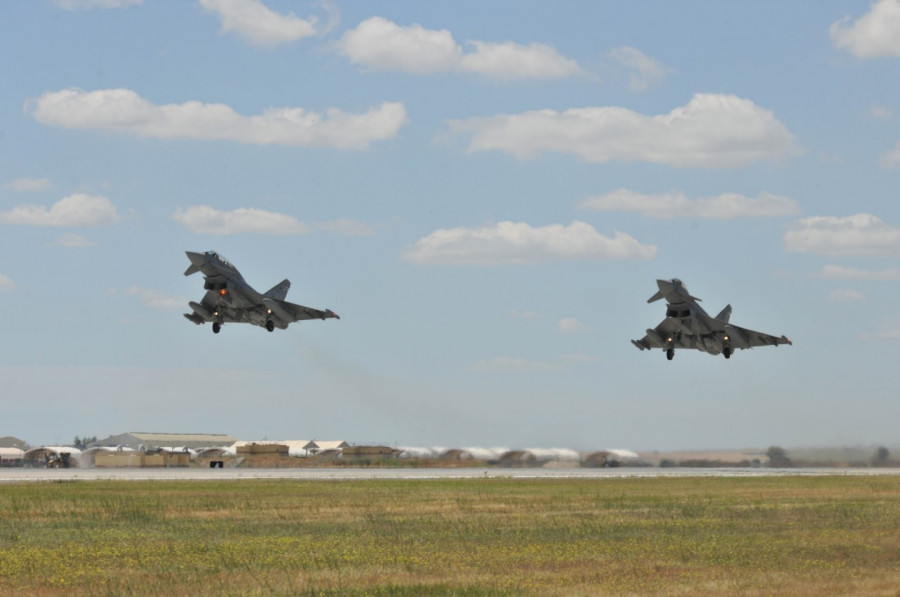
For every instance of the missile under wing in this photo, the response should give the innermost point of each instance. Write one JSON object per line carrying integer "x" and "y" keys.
{"x": 229, "y": 299}
{"x": 687, "y": 325}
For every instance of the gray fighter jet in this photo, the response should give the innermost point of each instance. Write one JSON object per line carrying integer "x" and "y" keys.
{"x": 229, "y": 299}
{"x": 687, "y": 325}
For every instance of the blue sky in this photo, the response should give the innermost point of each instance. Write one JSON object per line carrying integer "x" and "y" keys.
{"x": 486, "y": 194}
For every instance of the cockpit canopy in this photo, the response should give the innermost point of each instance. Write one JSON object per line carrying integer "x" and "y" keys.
{"x": 218, "y": 257}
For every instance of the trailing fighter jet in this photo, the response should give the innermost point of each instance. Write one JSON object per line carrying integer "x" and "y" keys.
{"x": 229, "y": 299}
{"x": 687, "y": 325}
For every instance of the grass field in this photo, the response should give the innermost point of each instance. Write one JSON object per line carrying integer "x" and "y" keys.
{"x": 663, "y": 536}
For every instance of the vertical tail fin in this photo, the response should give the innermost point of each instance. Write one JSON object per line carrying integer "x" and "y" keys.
{"x": 725, "y": 315}
{"x": 279, "y": 291}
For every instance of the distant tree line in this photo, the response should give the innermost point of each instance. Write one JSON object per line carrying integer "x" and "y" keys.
{"x": 83, "y": 442}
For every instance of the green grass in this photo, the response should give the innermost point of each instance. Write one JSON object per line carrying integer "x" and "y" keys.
{"x": 683, "y": 536}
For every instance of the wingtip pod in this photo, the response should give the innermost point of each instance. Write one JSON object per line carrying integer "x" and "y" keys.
{"x": 638, "y": 344}
{"x": 787, "y": 340}
{"x": 330, "y": 313}
{"x": 194, "y": 318}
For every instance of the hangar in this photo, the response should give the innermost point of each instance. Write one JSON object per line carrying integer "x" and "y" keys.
{"x": 13, "y": 442}
{"x": 141, "y": 440}
{"x": 11, "y": 457}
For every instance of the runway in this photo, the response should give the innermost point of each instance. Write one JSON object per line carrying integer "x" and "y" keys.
{"x": 22, "y": 475}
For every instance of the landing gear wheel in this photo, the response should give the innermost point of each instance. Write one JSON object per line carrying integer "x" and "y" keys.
{"x": 217, "y": 327}
{"x": 270, "y": 325}
{"x": 727, "y": 352}
{"x": 670, "y": 354}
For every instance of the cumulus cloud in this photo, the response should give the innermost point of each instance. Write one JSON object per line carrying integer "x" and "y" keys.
{"x": 78, "y": 210}
{"x": 517, "y": 243}
{"x": 261, "y": 26}
{"x": 156, "y": 299}
{"x": 380, "y": 44}
{"x": 890, "y": 159}
{"x": 875, "y": 34}
{"x": 89, "y": 4}
{"x": 711, "y": 131}
{"x": 646, "y": 72}
{"x": 840, "y": 272}
{"x": 74, "y": 241}
{"x": 28, "y": 184}
{"x": 6, "y": 284}
{"x": 668, "y": 206}
{"x": 844, "y": 295}
{"x": 124, "y": 111}
{"x": 203, "y": 219}
{"x": 571, "y": 326}
{"x": 857, "y": 235}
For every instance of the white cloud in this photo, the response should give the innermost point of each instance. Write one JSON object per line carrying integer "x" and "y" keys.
{"x": 881, "y": 113}
{"x": 840, "y": 272}
{"x": 380, "y": 44}
{"x": 253, "y": 21}
{"x": 886, "y": 334}
{"x": 517, "y": 243}
{"x": 346, "y": 227}
{"x": 124, "y": 111}
{"x": 78, "y": 210}
{"x": 513, "y": 365}
{"x": 876, "y": 33}
{"x": 711, "y": 131}
{"x": 508, "y": 60}
{"x": 859, "y": 235}
{"x": 74, "y": 241}
{"x": 6, "y": 284}
{"x": 28, "y": 184}
{"x": 890, "y": 159}
{"x": 667, "y": 206}
{"x": 648, "y": 72}
{"x": 844, "y": 295}
{"x": 571, "y": 326}
{"x": 203, "y": 219}
{"x": 156, "y": 299}
{"x": 89, "y": 4}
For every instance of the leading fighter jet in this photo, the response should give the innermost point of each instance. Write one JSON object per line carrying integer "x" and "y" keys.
{"x": 687, "y": 325}
{"x": 230, "y": 299}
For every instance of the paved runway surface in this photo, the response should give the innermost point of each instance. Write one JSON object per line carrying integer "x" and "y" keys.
{"x": 14, "y": 475}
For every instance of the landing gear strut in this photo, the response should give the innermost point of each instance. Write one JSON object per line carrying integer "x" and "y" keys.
{"x": 670, "y": 354}
{"x": 217, "y": 327}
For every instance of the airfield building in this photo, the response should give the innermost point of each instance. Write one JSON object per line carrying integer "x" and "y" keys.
{"x": 13, "y": 442}
{"x": 139, "y": 440}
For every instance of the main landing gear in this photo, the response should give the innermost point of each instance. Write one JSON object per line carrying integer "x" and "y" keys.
{"x": 727, "y": 352}
{"x": 217, "y": 327}
{"x": 270, "y": 325}
{"x": 670, "y": 353}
